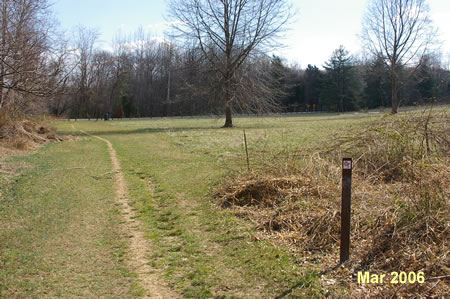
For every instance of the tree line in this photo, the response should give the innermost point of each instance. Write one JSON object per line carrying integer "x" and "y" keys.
{"x": 216, "y": 61}
{"x": 144, "y": 77}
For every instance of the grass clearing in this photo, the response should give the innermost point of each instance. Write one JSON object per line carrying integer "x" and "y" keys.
{"x": 175, "y": 167}
{"x": 59, "y": 234}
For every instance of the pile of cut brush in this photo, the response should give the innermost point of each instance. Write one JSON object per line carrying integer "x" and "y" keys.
{"x": 400, "y": 204}
{"x": 25, "y": 134}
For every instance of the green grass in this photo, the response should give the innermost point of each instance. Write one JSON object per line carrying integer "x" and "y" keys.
{"x": 62, "y": 240}
{"x": 172, "y": 167}
{"x": 59, "y": 234}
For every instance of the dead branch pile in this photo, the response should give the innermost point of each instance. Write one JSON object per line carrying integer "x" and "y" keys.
{"x": 400, "y": 203}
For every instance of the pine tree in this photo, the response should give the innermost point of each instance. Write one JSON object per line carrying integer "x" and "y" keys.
{"x": 377, "y": 92}
{"x": 312, "y": 87}
{"x": 339, "y": 87}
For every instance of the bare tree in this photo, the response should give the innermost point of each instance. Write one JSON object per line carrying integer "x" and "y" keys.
{"x": 122, "y": 68}
{"x": 85, "y": 40}
{"x": 31, "y": 61}
{"x": 144, "y": 66}
{"x": 228, "y": 32}
{"x": 102, "y": 73}
{"x": 401, "y": 32}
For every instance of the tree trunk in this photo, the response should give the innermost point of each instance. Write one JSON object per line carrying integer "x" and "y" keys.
{"x": 168, "y": 88}
{"x": 3, "y": 43}
{"x": 228, "y": 119}
{"x": 341, "y": 89}
{"x": 228, "y": 100}
{"x": 395, "y": 102}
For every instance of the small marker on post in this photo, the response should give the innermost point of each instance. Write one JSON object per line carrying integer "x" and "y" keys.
{"x": 347, "y": 166}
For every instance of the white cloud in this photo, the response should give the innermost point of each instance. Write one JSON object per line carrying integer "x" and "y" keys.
{"x": 160, "y": 28}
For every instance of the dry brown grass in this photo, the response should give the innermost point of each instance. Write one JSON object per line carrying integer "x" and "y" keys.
{"x": 18, "y": 135}
{"x": 400, "y": 204}
{"x": 24, "y": 133}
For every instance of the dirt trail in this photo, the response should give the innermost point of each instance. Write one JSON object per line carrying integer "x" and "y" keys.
{"x": 138, "y": 246}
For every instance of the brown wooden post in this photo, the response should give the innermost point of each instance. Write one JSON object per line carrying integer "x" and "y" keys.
{"x": 347, "y": 166}
{"x": 246, "y": 151}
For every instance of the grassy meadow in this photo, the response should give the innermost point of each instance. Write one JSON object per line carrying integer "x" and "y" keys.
{"x": 61, "y": 236}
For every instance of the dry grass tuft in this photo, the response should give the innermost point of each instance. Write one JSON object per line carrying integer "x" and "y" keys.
{"x": 24, "y": 133}
{"x": 277, "y": 205}
{"x": 400, "y": 203}
{"x": 394, "y": 148}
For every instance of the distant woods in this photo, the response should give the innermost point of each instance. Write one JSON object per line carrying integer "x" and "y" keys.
{"x": 141, "y": 76}
{"x": 144, "y": 77}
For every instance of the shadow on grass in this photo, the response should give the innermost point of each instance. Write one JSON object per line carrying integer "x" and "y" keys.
{"x": 151, "y": 130}
{"x": 137, "y": 131}
{"x": 305, "y": 282}
{"x": 287, "y": 118}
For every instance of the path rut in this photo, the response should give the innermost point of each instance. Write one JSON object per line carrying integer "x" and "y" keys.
{"x": 138, "y": 246}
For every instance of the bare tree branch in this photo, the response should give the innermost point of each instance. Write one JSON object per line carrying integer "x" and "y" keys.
{"x": 401, "y": 32}
{"x": 31, "y": 59}
{"x": 228, "y": 33}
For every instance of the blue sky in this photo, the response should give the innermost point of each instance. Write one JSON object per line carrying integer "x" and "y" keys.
{"x": 320, "y": 25}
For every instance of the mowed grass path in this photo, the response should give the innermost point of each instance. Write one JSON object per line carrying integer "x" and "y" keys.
{"x": 60, "y": 221}
{"x": 59, "y": 232}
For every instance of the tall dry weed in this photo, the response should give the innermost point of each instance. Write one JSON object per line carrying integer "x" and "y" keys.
{"x": 400, "y": 219}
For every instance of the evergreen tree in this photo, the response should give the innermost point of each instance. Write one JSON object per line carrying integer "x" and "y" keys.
{"x": 128, "y": 105}
{"x": 377, "y": 91}
{"x": 287, "y": 80}
{"x": 278, "y": 72}
{"x": 340, "y": 89}
{"x": 313, "y": 79}
{"x": 425, "y": 81}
